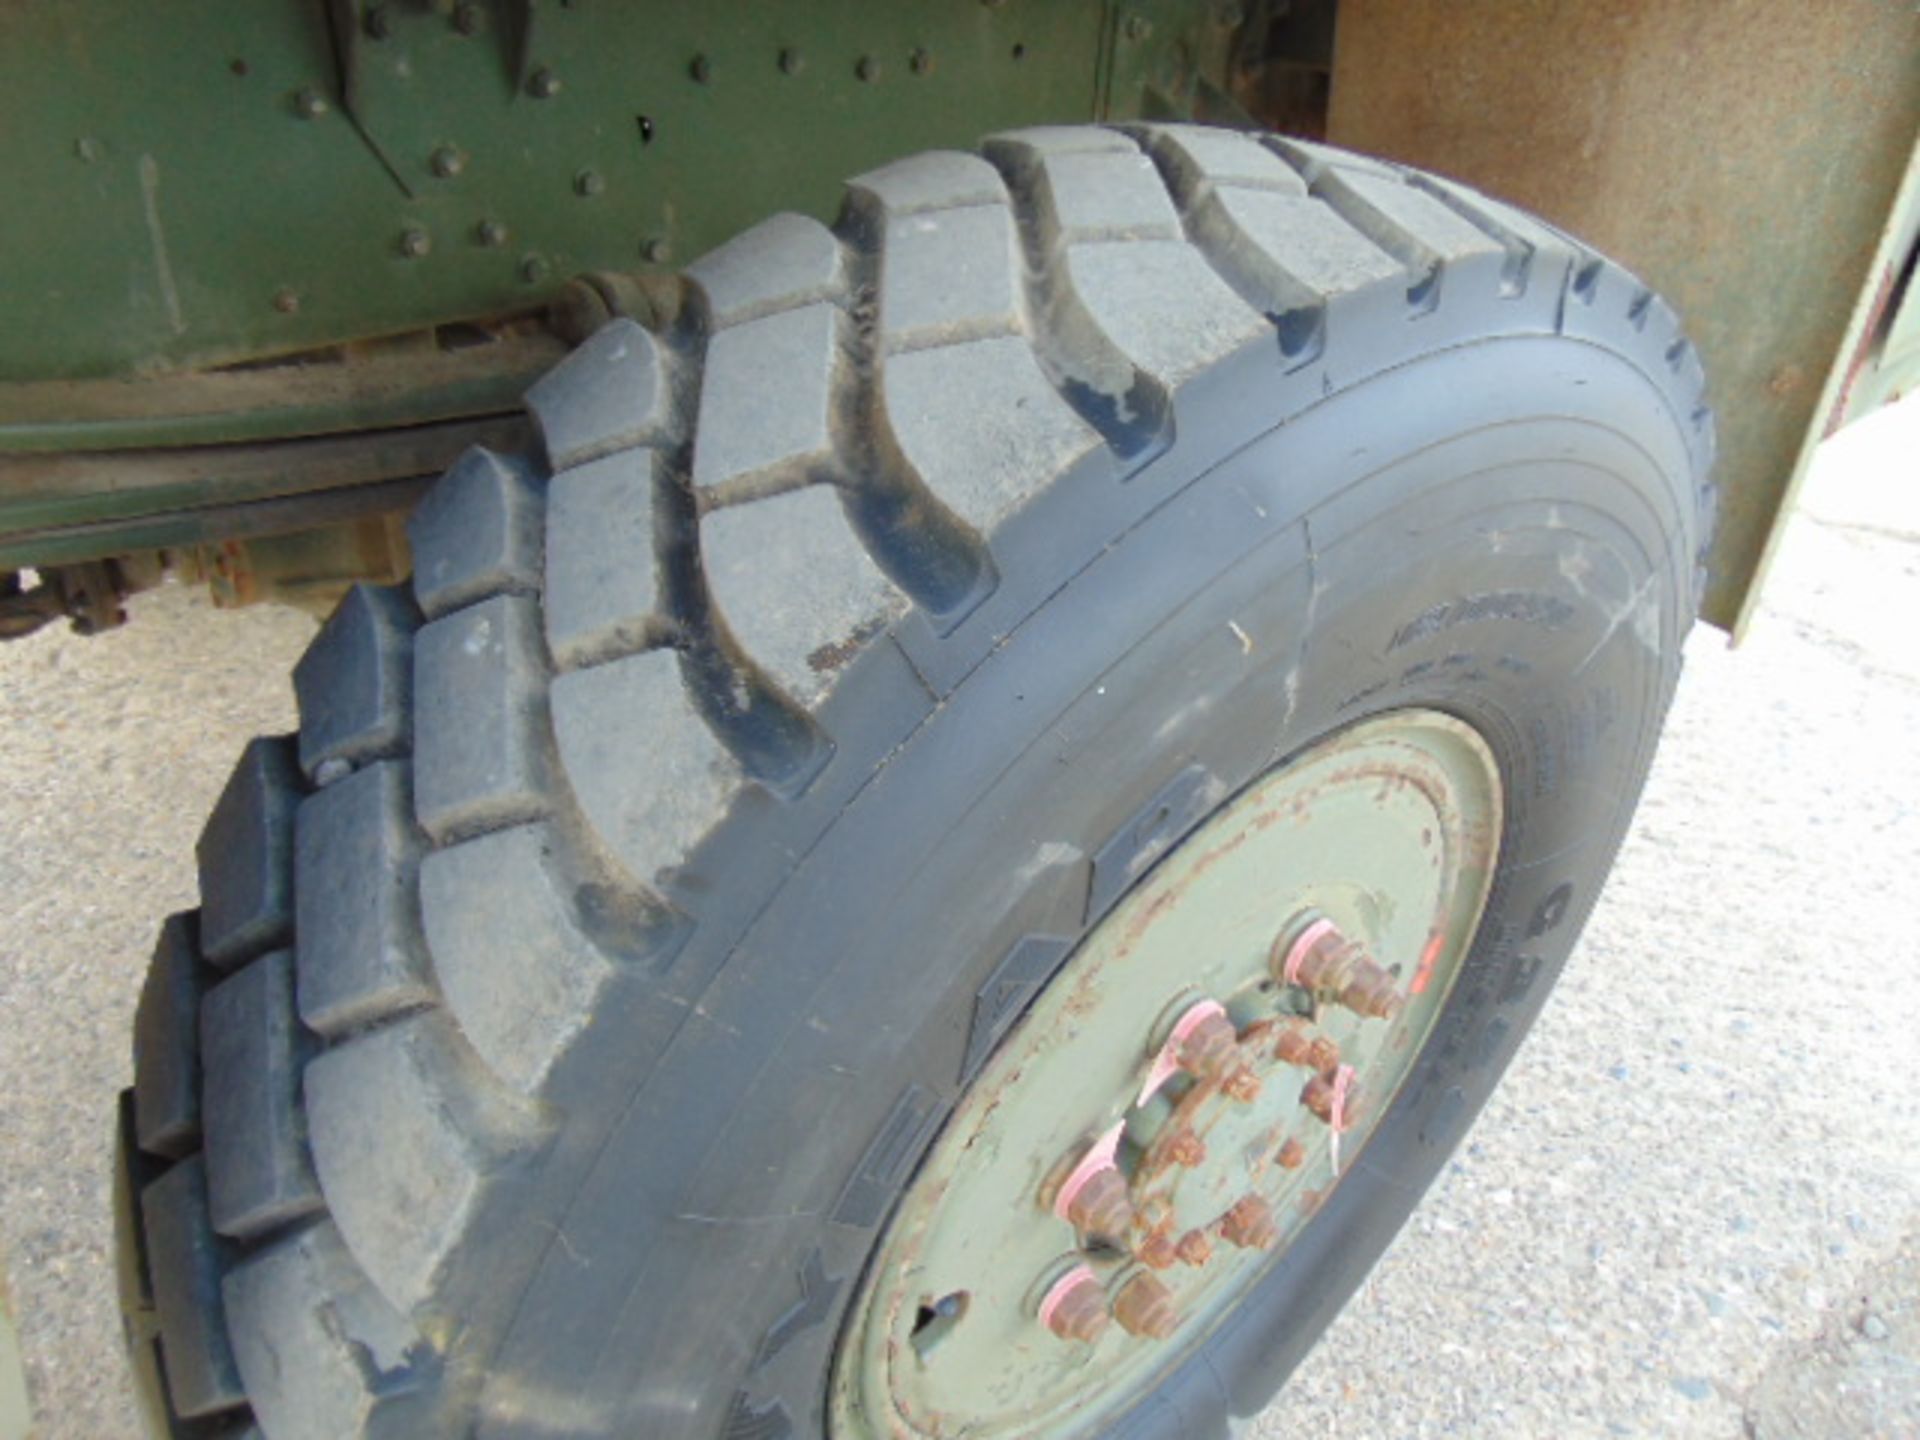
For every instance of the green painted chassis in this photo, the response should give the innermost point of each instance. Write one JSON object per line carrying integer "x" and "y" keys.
{"x": 268, "y": 265}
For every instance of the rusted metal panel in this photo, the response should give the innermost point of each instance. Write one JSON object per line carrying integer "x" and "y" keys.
{"x": 1744, "y": 158}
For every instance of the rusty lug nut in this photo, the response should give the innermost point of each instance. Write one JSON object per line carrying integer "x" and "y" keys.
{"x": 1242, "y": 1085}
{"x": 1291, "y": 1047}
{"x": 1102, "y": 1206}
{"x": 1292, "y": 1155}
{"x": 1250, "y": 1224}
{"x": 1324, "y": 1053}
{"x": 1145, "y": 1307}
{"x": 1195, "y": 1248}
{"x": 1157, "y": 1251}
{"x": 1371, "y": 993}
{"x": 1186, "y": 1148}
{"x": 1317, "y": 1096}
{"x": 1211, "y": 1049}
{"x": 1078, "y": 1310}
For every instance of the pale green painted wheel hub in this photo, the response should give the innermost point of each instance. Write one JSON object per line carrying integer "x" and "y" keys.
{"x": 1279, "y": 971}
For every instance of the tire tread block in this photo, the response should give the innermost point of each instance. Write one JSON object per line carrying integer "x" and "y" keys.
{"x": 166, "y": 1043}
{"x": 246, "y": 856}
{"x": 258, "y": 1174}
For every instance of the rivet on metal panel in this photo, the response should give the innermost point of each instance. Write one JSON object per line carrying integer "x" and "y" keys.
{"x": 867, "y": 68}
{"x": 543, "y": 84}
{"x": 920, "y": 62}
{"x": 792, "y": 62}
{"x": 656, "y": 251}
{"x": 466, "y": 18}
{"x": 1138, "y": 27}
{"x": 415, "y": 242}
{"x": 379, "y": 22}
{"x": 588, "y": 183}
{"x": 447, "y": 162}
{"x": 308, "y": 104}
{"x": 701, "y": 69}
{"x": 286, "y": 301}
{"x": 533, "y": 269}
{"x": 490, "y": 233}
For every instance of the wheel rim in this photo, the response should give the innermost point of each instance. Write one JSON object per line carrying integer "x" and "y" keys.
{"x": 1154, "y": 1134}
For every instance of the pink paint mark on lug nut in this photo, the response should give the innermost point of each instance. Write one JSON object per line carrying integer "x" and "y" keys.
{"x": 1337, "y": 1116}
{"x": 1099, "y": 1157}
{"x": 1167, "y": 1063}
{"x": 1072, "y": 1314}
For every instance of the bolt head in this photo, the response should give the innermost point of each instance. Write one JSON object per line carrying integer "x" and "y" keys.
{"x": 588, "y": 183}
{"x": 1145, "y": 1307}
{"x": 447, "y": 162}
{"x": 792, "y": 62}
{"x": 1158, "y": 1250}
{"x": 543, "y": 84}
{"x": 308, "y": 104}
{"x": 656, "y": 251}
{"x": 1292, "y": 1155}
{"x": 415, "y": 242}
{"x": 866, "y": 68}
{"x": 286, "y": 301}
{"x": 920, "y": 62}
{"x": 1250, "y": 1224}
{"x": 1242, "y": 1085}
{"x": 490, "y": 233}
{"x": 1323, "y": 1053}
{"x": 701, "y": 69}
{"x": 533, "y": 269}
{"x": 1186, "y": 1148}
{"x": 1195, "y": 1248}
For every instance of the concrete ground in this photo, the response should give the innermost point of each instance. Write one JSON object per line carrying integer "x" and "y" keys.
{"x": 1692, "y": 1211}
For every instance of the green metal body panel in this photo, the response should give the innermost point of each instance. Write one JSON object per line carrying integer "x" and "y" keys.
{"x": 210, "y": 218}
{"x": 240, "y": 179}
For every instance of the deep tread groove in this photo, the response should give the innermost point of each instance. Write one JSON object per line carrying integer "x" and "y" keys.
{"x": 1135, "y": 417}
{"x": 774, "y": 740}
{"x": 1517, "y": 267}
{"x": 921, "y": 545}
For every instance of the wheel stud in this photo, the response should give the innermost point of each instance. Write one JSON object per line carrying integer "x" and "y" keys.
{"x": 1314, "y": 953}
{"x": 1250, "y": 1224}
{"x": 1145, "y": 1307}
{"x": 1292, "y": 1155}
{"x": 1075, "y": 1306}
{"x": 1320, "y": 1093}
{"x": 1100, "y": 1205}
{"x": 1195, "y": 1248}
{"x": 1208, "y": 1046}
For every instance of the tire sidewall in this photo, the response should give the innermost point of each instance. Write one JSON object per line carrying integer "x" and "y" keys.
{"x": 1499, "y": 530}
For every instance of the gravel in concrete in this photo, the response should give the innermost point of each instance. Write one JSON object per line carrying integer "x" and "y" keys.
{"x": 1691, "y": 1211}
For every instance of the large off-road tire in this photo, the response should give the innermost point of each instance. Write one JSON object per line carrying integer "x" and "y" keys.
{"x": 572, "y": 1000}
